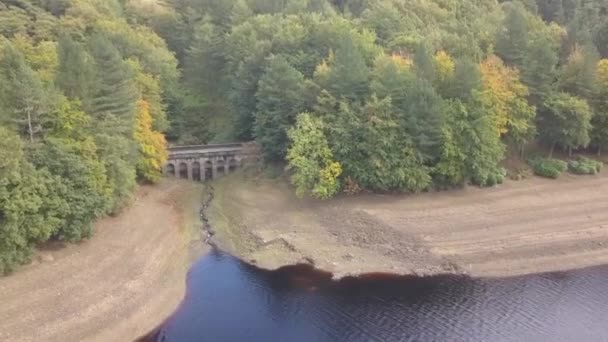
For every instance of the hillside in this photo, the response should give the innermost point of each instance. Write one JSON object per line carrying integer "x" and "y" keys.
{"x": 85, "y": 94}
{"x": 353, "y": 95}
{"x": 392, "y": 95}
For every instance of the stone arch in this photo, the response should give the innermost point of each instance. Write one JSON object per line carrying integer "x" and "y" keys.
{"x": 220, "y": 167}
{"x": 233, "y": 164}
{"x": 208, "y": 167}
{"x": 170, "y": 170}
{"x": 183, "y": 170}
{"x": 196, "y": 171}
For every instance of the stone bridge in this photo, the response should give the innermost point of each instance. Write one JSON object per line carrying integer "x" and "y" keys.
{"x": 204, "y": 162}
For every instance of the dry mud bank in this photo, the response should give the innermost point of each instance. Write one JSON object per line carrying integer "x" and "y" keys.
{"x": 118, "y": 285}
{"x": 530, "y": 226}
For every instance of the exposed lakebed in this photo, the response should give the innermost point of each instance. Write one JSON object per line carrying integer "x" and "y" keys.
{"x": 229, "y": 300}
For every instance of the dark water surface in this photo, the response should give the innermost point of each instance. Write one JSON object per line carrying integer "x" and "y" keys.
{"x": 228, "y": 300}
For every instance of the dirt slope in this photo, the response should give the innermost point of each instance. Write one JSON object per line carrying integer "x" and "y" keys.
{"x": 131, "y": 275}
{"x": 115, "y": 287}
{"x": 520, "y": 227}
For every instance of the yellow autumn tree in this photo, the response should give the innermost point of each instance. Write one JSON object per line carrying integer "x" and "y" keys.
{"x": 505, "y": 94}
{"x": 444, "y": 71}
{"x": 41, "y": 56}
{"x": 322, "y": 70}
{"x": 151, "y": 144}
{"x": 404, "y": 63}
{"x": 444, "y": 65}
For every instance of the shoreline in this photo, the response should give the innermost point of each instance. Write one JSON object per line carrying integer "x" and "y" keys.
{"x": 521, "y": 227}
{"x": 115, "y": 286}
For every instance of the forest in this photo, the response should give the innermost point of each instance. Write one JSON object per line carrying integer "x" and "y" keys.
{"x": 350, "y": 95}
{"x": 393, "y": 95}
{"x": 84, "y": 97}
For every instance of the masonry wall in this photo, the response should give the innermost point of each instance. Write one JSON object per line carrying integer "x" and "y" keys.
{"x": 202, "y": 168}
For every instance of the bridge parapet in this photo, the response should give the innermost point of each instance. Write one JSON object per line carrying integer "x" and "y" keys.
{"x": 204, "y": 162}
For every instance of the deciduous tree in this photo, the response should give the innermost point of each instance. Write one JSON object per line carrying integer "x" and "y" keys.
{"x": 505, "y": 95}
{"x": 599, "y": 133}
{"x": 310, "y": 159}
{"x": 565, "y": 121}
{"x": 152, "y": 145}
{"x": 513, "y": 37}
{"x": 23, "y": 99}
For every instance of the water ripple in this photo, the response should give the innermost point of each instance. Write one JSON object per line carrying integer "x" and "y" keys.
{"x": 228, "y": 300}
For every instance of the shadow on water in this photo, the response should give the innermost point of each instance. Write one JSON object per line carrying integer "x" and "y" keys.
{"x": 229, "y": 300}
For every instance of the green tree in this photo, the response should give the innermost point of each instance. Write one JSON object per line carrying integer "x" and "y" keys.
{"x": 348, "y": 75}
{"x": 40, "y": 56}
{"x": 113, "y": 106}
{"x": 76, "y": 72}
{"x": 601, "y": 39}
{"x": 417, "y": 104}
{"x": 578, "y": 76}
{"x": 467, "y": 77}
{"x": 23, "y": 99}
{"x": 390, "y": 77}
{"x": 279, "y": 100}
{"x": 552, "y": 10}
{"x": 71, "y": 74}
{"x": 247, "y": 49}
{"x": 374, "y": 150}
{"x": 565, "y": 121}
{"x": 27, "y": 207}
{"x": 424, "y": 62}
{"x": 114, "y": 94}
{"x": 512, "y": 38}
{"x": 119, "y": 156}
{"x": 539, "y": 68}
{"x": 422, "y": 118}
{"x": 599, "y": 133}
{"x": 204, "y": 64}
{"x": 392, "y": 161}
{"x": 471, "y": 149}
{"x": 311, "y": 161}
{"x": 75, "y": 166}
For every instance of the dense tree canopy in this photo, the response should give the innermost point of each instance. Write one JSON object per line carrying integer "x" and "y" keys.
{"x": 381, "y": 95}
{"x": 84, "y": 95}
{"x": 409, "y": 94}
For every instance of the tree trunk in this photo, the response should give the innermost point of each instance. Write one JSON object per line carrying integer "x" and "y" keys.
{"x": 521, "y": 151}
{"x": 569, "y": 151}
{"x": 551, "y": 151}
{"x": 29, "y": 124}
{"x": 599, "y": 150}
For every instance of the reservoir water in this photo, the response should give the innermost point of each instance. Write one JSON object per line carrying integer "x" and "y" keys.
{"x": 229, "y": 300}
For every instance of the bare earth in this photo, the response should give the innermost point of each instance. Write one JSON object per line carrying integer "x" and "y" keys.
{"x": 131, "y": 274}
{"x": 535, "y": 225}
{"x": 120, "y": 284}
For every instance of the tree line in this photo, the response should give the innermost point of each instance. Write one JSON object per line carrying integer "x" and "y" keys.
{"x": 391, "y": 95}
{"x": 84, "y": 97}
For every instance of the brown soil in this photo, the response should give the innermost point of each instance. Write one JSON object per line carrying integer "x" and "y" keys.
{"x": 114, "y": 287}
{"x": 131, "y": 274}
{"x": 534, "y": 225}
